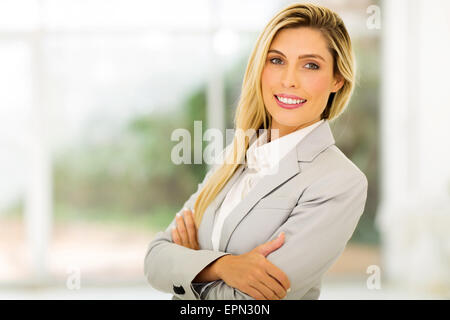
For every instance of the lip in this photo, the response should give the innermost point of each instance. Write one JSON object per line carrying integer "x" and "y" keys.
{"x": 289, "y": 106}
{"x": 291, "y": 96}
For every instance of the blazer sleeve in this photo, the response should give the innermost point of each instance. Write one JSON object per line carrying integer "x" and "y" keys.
{"x": 316, "y": 234}
{"x": 170, "y": 267}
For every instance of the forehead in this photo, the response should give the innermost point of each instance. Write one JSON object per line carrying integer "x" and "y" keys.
{"x": 301, "y": 40}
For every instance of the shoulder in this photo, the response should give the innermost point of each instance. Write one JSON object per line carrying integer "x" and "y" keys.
{"x": 333, "y": 165}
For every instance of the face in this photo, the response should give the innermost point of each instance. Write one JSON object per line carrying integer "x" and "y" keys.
{"x": 299, "y": 66}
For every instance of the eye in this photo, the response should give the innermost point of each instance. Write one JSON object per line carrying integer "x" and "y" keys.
{"x": 313, "y": 66}
{"x": 275, "y": 59}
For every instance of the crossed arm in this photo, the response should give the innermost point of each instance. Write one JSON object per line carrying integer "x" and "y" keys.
{"x": 316, "y": 234}
{"x": 250, "y": 272}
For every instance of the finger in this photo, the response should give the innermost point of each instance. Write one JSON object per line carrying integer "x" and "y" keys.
{"x": 191, "y": 228}
{"x": 263, "y": 289}
{"x": 254, "y": 293}
{"x": 273, "y": 245}
{"x": 278, "y": 275}
{"x": 182, "y": 230}
{"x": 276, "y": 287}
{"x": 271, "y": 288}
{"x": 176, "y": 236}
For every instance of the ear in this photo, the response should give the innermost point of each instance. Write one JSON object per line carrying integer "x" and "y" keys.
{"x": 338, "y": 83}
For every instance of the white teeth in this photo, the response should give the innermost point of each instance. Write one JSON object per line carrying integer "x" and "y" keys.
{"x": 290, "y": 101}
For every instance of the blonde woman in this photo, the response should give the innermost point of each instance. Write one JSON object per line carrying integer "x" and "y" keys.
{"x": 268, "y": 222}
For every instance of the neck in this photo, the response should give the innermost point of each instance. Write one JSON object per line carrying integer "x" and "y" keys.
{"x": 285, "y": 130}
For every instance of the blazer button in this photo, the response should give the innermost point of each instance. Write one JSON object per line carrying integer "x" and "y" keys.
{"x": 178, "y": 290}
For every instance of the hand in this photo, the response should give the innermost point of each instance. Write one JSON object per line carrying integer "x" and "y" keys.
{"x": 185, "y": 234}
{"x": 253, "y": 274}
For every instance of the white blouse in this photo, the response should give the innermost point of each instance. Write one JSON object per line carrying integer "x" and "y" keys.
{"x": 262, "y": 158}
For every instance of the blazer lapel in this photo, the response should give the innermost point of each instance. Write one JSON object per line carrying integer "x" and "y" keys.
{"x": 207, "y": 223}
{"x": 289, "y": 169}
{"x": 306, "y": 150}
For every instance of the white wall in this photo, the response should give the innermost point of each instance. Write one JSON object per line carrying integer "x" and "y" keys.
{"x": 414, "y": 211}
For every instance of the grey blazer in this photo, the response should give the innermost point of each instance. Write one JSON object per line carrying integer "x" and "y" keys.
{"x": 317, "y": 198}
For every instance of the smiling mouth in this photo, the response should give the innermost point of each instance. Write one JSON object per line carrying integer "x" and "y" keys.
{"x": 289, "y": 103}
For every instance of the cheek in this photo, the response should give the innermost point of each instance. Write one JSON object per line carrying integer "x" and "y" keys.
{"x": 268, "y": 79}
{"x": 316, "y": 84}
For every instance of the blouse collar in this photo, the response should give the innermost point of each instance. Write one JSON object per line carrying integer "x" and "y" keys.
{"x": 262, "y": 156}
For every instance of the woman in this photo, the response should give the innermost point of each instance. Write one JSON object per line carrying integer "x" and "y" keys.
{"x": 270, "y": 226}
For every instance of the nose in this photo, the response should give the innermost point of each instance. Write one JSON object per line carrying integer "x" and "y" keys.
{"x": 289, "y": 79}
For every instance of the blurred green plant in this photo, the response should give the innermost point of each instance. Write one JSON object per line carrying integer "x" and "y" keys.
{"x": 130, "y": 175}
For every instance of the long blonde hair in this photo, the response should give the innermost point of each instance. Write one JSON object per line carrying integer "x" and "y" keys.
{"x": 251, "y": 113}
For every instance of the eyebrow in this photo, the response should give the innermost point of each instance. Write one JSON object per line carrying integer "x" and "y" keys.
{"x": 309, "y": 55}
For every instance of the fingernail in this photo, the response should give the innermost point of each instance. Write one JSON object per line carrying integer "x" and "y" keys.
{"x": 288, "y": 290}
{"x": 178, "y": 215}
